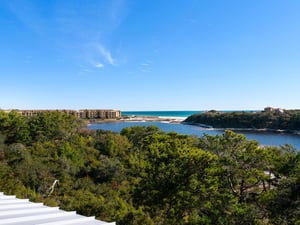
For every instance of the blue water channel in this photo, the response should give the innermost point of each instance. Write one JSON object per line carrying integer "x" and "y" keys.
{"x": 274, "y": 139}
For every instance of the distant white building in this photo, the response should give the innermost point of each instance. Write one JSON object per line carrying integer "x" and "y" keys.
{"x": 271, "y": 109}
{"x": 14, "y": 211}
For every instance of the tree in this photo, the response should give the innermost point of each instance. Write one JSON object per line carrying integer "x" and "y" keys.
{"x": 177, "y": 181}
{"x": 52, "y": 126}
{"x": 14, "y": 127}
{"x": 284, "y": 204}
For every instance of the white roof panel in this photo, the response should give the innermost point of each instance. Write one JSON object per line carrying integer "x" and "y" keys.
{"x": 14, "y": 211}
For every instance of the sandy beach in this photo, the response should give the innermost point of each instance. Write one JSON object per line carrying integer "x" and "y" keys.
{"x": 161, "y": 119}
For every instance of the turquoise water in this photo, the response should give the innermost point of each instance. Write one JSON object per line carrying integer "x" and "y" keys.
{"x": 160, "y": 113}
{"x": 171, "y": 113}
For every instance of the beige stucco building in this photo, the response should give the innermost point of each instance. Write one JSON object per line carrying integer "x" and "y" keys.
{"x": 98, "y": 114}
{"x": 82, "y": 114}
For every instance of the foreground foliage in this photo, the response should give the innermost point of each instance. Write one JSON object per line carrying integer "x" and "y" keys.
{"x": 143, "y": 175}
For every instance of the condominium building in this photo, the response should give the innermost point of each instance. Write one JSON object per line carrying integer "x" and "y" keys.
{"x": 98, "y": 114}
{"x": 82, "y": 114}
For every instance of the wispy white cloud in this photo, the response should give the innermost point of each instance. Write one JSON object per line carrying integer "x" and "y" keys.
{"x": 106, "y": 54}
{"x": 145, "y": 70}
{"x": 118, "y": 11}
{"x": 145, "y": 64}
{"x": 81, "y": 31}
{"x": 95, "y": 55}
{"x": 28, "y": 14}
{"x": 146, "y": 67}
{"x": 99, "y": 65}
{"x": 87, "y": 71}
{"x": 90, "y": 68}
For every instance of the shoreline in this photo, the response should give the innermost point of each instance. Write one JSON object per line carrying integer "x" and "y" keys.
{"x": 161, "y": 119}
{"x": 253, "y": 130}
{"x": 180, "y": 120}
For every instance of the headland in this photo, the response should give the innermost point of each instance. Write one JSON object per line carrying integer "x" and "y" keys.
{"x": 269, "y": 120}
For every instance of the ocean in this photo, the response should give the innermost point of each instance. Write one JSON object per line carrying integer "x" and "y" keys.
{"x": 161, "y": 113}
{"x": 172, "y": 113}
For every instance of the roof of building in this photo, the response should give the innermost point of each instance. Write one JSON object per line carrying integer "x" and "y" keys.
{"x": 22, "y": 211}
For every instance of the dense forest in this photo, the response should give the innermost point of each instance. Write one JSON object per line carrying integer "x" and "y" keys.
{"x": 143, "y": 175}
{"x": 276, "y": 119}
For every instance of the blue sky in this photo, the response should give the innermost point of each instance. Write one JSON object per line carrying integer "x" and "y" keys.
{"x": 149, "y": 54}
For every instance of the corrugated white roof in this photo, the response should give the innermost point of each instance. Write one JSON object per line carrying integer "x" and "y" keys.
{"x": 14, "y": 211}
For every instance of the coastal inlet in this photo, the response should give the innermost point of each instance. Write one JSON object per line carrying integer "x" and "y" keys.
{"x": 171, "y": 121}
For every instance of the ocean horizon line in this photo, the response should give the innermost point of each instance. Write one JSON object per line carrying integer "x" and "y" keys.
{"x": 180, "y": 110}
{"x": 173, "y": 113}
